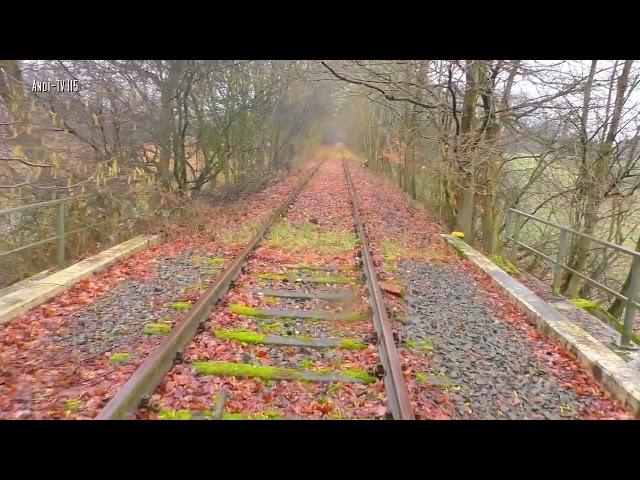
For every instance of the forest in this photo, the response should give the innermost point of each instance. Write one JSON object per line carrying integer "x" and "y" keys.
{"x": 468, "y": 139}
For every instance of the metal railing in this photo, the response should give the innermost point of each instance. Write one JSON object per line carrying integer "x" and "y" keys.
{"x": 514, "y": 223}
{"x": 58, "y": 221}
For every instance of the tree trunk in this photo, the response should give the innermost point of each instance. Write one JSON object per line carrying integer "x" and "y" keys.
{"x": 465, "y": 205}
{"x": 618, "y": 306}
{"x": 167, "y": 94}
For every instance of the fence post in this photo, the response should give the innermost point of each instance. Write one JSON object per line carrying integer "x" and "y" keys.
{"x": 61, "y": 235}
{"x": 507, "y": 225}
{"x": 630, "y": 309}
{"x": 516, "y": 231}
{"x": 562, "y": 252}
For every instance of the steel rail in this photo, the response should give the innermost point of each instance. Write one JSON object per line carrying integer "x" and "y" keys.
{"x": 395, "y": 385}
{"x": 150, "y": 373}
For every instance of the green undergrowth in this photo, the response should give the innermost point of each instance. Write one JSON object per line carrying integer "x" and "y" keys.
{"x": 594, "y": 308}
{"x": 215, "y": 261}
{"x": 240, "y": 236}
{"x": 308, "y": 267}
{"x": 505, "y": 264}
{"x": 268, "y": 372}
{"x": 329, "y": 279}
{"x": 247, "y": 311}
{"x": 120, "y": 357}
{"x": 180, "y": 306}
{"x": 598, "y": 311}
{"x": 391, "y": 250}
{"x": 250, "y": 337}
{"x": 350, "y": 344}
{"x": 168, "y": 414}
{"x": 243, "y": 336}
{"x": 257, "y": 313}
{"x": 72, "y": 404}
{"x": 288, "y": 237}
{"x": 271, "y": 301}
{"x": 153, "y": 328}
{"x": 419, "y": 345}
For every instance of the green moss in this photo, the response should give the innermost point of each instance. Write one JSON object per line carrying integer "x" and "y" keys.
{"x": 337, "y": 279}
{"x": 180, "y": 306}
{"x": 268, "y": 415}
{"x": 419, "y": 345}
{"x": 350, "y": 344}
{"x": 244, "y": 336}
{"x": 505, "y": 264}
{"x": 247, "y": 311}
{"x": 333, "y": 279}
{"x": 167, "y": 414}
{"x": 215, "y": 261}
{"x": 156, "y": 328}
{"x": 333, "y": 388}
{"x": 72, "y": 404}
{"x": 242, "y": 370}
{"x": 400, "y": 318}
{"x": 267, "y": 372}
{"x": 421, "y": 377}
{"x": 120, "y": 357}
{"x": 391, "y": 249}
{"x": 355, "y": 316}
{"x": 235, "y": 416}
{"x": 271, "y": 301}
{"x": 359, "y": 374}
{"x": 585, "y": 304}
{"x": 306, "y": 364}
{"x": 276, "y": 277}
{"x": 307, "y": 267}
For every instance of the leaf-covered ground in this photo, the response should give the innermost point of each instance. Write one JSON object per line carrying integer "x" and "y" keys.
{"x": 466, "y": 352}
{"x": 317, "y": 230}
{"x": 67, "y": 357}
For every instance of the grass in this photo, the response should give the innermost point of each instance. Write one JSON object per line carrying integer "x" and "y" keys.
{"x": 293, "y": 238}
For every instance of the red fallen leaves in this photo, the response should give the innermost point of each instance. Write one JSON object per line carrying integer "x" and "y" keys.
{"x": 286, "y": 397}
{"x": 26, "y": 350}
{"x": 377, "y": 198}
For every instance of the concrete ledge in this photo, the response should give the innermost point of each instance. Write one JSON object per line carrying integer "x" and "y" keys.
{"x": 34, "y": 293}
{"x": 25, "y": 283}
{"x": 612, "y": 372}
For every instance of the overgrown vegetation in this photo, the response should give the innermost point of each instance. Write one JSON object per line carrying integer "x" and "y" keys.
{"x": 144, "y": 128}
{"x": 471, "y": 139}
{"x": 294, "y": 237}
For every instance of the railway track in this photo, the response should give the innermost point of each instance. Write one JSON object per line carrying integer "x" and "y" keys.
{"x": 320, "y": 315}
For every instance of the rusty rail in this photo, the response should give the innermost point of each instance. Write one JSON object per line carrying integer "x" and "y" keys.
{"x": 395, "y": 385}
{"x": 150, "y": 373}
